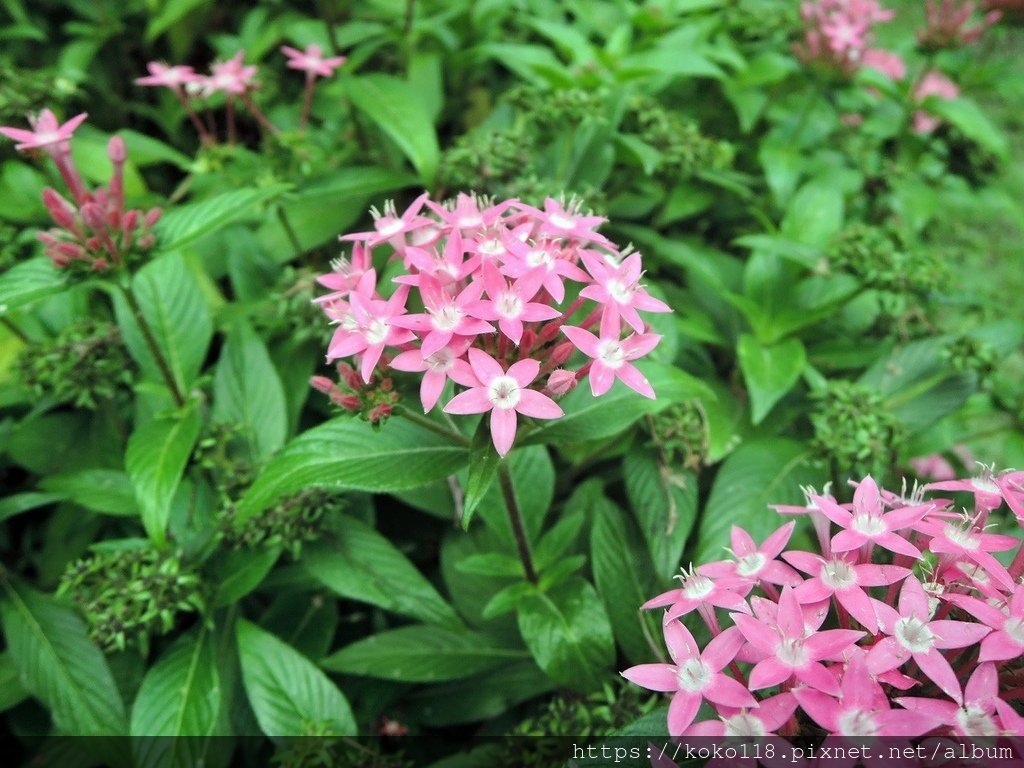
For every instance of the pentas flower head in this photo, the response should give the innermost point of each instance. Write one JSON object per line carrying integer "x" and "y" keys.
{"x": 493, "y": 298}
{"x": 165, "y": 76}
{"x": 47, "y": 132}
{"x": 231, "y": 76}
{"x": 948, "y": 24}
{"x": 932, "y": 84}
{"x": 312, "y": 60}
{"x": 838, "y": 33}
{"x": 868, "y": 636}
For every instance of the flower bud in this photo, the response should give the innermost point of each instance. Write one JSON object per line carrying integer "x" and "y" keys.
{"x": 348, "y": 402}
{"x": 561, "y": 353}
{"x": 322, "y": 384}
{"x": 115, "y": 150}
{"x": 152, "y": 217}
{"x": 349, "y": 376}
{"x": 129, "y": 221}
{"x": 60, "y": 210}
{"x": 146, "y": 241}
{"x": 93, "y": 217}
{"x": 561, "y": 382}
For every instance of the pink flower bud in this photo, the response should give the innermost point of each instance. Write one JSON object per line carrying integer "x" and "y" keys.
{"x": 146, "y": 241}
{"x": 93, "y": 217}
{"x": 129, "y": 221}
{"x": 70, "y": 250}
{"x": 561, "y": 353}
{"x": 60, "y": 210}
{"x": 561, "y": 382}
{"x": 348, "y": 402}
{"x": 379, "y": 413}
{"x": 115, "y": 150}
{"x": 349, "y": 376}
{"x": 46, "y": 238}
{"x": 152, "y": 217}
{"x": 322, "y": 384}
{"x": 100, "y": 264}
{"x": 60, "y": 261}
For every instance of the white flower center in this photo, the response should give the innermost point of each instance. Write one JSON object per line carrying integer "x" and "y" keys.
{"x": 47, "y": 137}
{"x": 447, "y": 318}
{"x": 869, "y": 525}
{"x": 470, "y": 220}
{"x": 751, "y": 565}
{"x": 441, "y": 361}
{"x": 838, "y": 574}
{"x": 562, "y": 222}
{"x": 388, "y": 226}
{"x": 1014, "y": 627}
{"x": 792, "y": 653}
{"x": 698, "y": 587}
{"x": 620, "y": 291}
{"x": 611, "y": 354}
{"x": 975, "y": 722}
{"x": 694, "y": 676}
{"x": 376, "y": 331}
{"x": 743, "y": 724}
{"x": 509, "y": 305}
{"x": 961, "y": 538}
{"x": 504, "y": 392}
{"x": 537, "y": 257}
{"x": 914, "y": 635}
{"x": 492, "y": 246}
{"x": 857, "y": 722}
{"x": 984, "y": 484}
{"x": 424, "y": 236}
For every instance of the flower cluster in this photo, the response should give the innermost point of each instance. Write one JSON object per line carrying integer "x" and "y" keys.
{"x": 235, "y": 79}
{"x": 485, "y": 300}
{"x": 947, "y": 24}
{"x": 93, "y": 229}
{"x": 853, "y": 638}
{"x": 838, "y": 33}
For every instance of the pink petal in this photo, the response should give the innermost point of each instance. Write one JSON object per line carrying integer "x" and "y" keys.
{"x": 957, "y": 634}
{"x": 831, "y": 642}
{"x": 860, "y": 606}
{"x": 485, "y": 367}
{"x": 774, "y": 544}
{"x": 471, "y": 401}
{"x": 723, "y": 649}
{"x": 848, "y": 540}
{"x": 790, "y": 617}
{"x": 983, "y": 685}
{"x": 431, "y": 388}
{"x": 821, "y": 707}
{"x": 371, "y": 356}
{"x": 833, "y": 511}
{"x": 511, "y": 328}
{"x": 775, "y": 711}
{"x": 935, "y": 666}
{"x": 461, "y": 372}
{"x": 902, "y": 722}
{"x": 999, "y": 646}
{"x": 681, "y": 645}
{"x": 768, "y": 673}
{"x": 757, "y": 633}
{"x": 885, "y": 655}
{"x": 817, "y": 676}
{"x": 630, "y": 375}
{"x": 533, "y": 403}
{"x": 896, "y": 543}
{"x": 503, "y": 429}
{"x": 411, "y": 360}
{"x": 585, "y": 341}
{"x": 524, "y": 371}
{"x": 869, "y": 575}
{"x": 914, "y": 600}
{"x": 653, "y": 677}
{"x": 601, "y": 378}
{"x": 728, "y": 692}
{"x": 681, "y": 712}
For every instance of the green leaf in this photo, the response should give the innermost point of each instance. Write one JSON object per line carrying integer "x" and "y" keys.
{"x": 26, "y": 282}
{"x": 248, "y": 392}
{"x": 170, "y": 14}
{"x": 239, "y": 572}
{"x": 12, "y": 692}
{"x": 101, "y": 490}
{"x": 289, "y": 695}
{"x": 534, "y": 63}
{"x": 594, "y": 418}
{"x": 815, "y": 214}
{"x": 769, "y": 371}
{"x": 533, "y": 483}
{"x": 483, "y": 467}
{"x": 172, "y": 305}
{"x": 350, "y": 454}
{"x": 491, "y": 564}
{"x": 178, "y": 705}
{"x": 360, "y": 564}
{"x": 623, "y": 575}
{"x": 183, "y": 224}
{"x": 568, "y": 632}
{"x": 59, "y": 665}
{"x": 421, "y": 654}
{"x": 664, "y": 501}
{"x": 968, "y": 118}
{"x": 156, "y": 457}
{"x": 396, "y": 109}
{"x": 757, "y": 474}
{"x": 25, "y": 502}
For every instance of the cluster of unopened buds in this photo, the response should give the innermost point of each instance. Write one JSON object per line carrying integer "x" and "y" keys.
{"x": 904, "y": 623}
{"x": 93, "y": 229}
{"x": 235, "y": 79}
{"x": 374, "y": 398}
{"x": 838, "y": 33}
{"x": 948, "y": 24}
{"x": 496, "y": 298}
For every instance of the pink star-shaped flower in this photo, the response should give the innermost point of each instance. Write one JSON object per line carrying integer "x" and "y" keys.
{"x": 1007, "y": 638}
{"x": 696, "y": 590}
{"x": 694, "y": 676}
{"x": 312, "y": 61}
{"x": 389, "y": 227}
{"x": 970, "y": 542}
{"x": 46, "y": 131}
{"x": 755, "y": 563}
{"x": 976, "y": 715}
{"x": 231, "y": 76}
{"x": 619, "y": 290}
{"x": 370, "y": 330}
{"x": 525, "y": 257}
{"x": 164, "y": 76}
{"x": 510, "y": 304}
{"x": 770, "y": 715}
{"x": 437, "y": 368}
{"x": 612, "y": 355}
{"x": 446, "y": 316}
{"x": 504, "y": 394}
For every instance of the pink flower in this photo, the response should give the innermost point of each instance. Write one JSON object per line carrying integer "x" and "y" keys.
{"x": 46, "y": 132}
{"x": 370, "y": 329}
{"x": 562, "y": 221}
{"x": 914, "y": 635}
{"x": 974, "y": 713}
{"x": 770, "y": 715}
{"x": 612, "y": 355}
{"x": 694, "y": 676}
{"x": 1007, "y": 640}
{"x": 511, "y": 304}
{"x": 524, "y": 257}
{"x": 164, "y": 76}
{"x": 932, "y": 84}
{"x": 755, "y": 563}
{"x": 437, "y": 368}
{"x": 312, "y": 61}
{"x": 504, "y": 394}
{"x": 618, "y": 288}
{"x": 791, "y": 653}
{"x": 231, "y": 76}
{"x": 697, "y": 591}
{"x": 446, "y": 316}
{"x": 888, "y": 63}
{"x": 389, "y": 226}
{"x": 972, "y": 543}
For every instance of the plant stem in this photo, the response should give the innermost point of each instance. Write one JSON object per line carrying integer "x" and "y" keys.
{"x": 289, "y": 230}
{"x": 515, "y": 517}
{"x": 154, "y": 348}
{"x": 432, "y": 425}
{"x": 14, "y": 329}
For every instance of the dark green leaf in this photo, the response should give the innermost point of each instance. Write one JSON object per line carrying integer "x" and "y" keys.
{"x": 100, "y": 490}
{"x": 769, "y": 371}
{"x": 185, "y": 223}
{"x": 483, "y": 467}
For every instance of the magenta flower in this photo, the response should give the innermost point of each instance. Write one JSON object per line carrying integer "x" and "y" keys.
{"x": 370, "y": 330}
{"x": 46, "y": 131}
{"x": 863, "y": 709}
{"x": 231, "y": 76}
{"x": 914, "y": 635}
{"x": 974, "y": 714}
{"x": 770, "y": 715}
{"x": 697, "y": 590}
{"x": 312, "y": 61}
{"x": 437, "y": 368}
{"x": 843, "y": 578}
{"x": 618, "y": 288}
{"x": 612, "y": 355}
{"x": 511, "y": 304}
{"x": 970, "y": 542}
{"x": 791, "y": 653}
{"x": 504, "y": 394}
{"x": 446, "y": 316}
{"x": 755, "y": 563}
{"x": 164, "y": 76}
{"x": 694, "y": 676}
{"x": 1007, "y": 638}
{"x": 868, "y": 523}
{"x": 389, "y": 226}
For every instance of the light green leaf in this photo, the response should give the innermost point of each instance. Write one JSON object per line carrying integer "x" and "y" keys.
{"x": 350, "y": 454}
{"x": 289, "y": 695}
{"x": 769, "y": 371}
{"x": 156, "y": 457}
{"x": 483, "y": 467}
{"x": 12, "y": 692}
{"x": 101, "y": 490}
{"x": 815, "y": 214}
{"x": 360, "y": 564}
{"x": 972, "y": 122}
{"x": 26, "y": 282}
{"x": 568, "y": 632}
{"x": 185, "y": 223}
{"x": 398, "y": 111}
{"x": 422, "y": 654}
{"x": 170, "y": 13}
{"x": 248, "y": 392}
{"x": 59, "y": 665}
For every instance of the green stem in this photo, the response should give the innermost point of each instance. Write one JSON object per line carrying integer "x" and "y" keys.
{"x": 433, "y": 426}
{"x": 154, "y": 348}
{"x": 13, "y": 328}
{"x": 289, "y": 230}
{"x": 515, "y": 517}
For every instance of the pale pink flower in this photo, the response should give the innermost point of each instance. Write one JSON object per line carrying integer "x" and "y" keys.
{"x": 612, "y": 355}
{"x": 447, "y": 315}
{"x": 371, "y": 329}
{"x": 932, "y": 84}
{"x": 969, "y": 541}
{"x": 231, "y": 76}
{"x": 769, "y": 715}
{"x": 1007, "y": 638}
{"x": 46, "y": 132}
{"x": 888, "y": 63}
{"x": 618, "y": 288}
{"x": 164, "y": 76}
{"x": 974, "y": 714}
{"x": 389, "y": 226}
{"x": 947, "y": 23}
{"x": 504, "y": 394}
{"x": 693, "y": 676}
{"x": 312, "y": 60}
{"x": 697, "y": 590}
{"x": 524, "y": 257}
{"x": 511, "y": 304}
{"x": 437, "y": 368}
{"x": 560, "y": 220}
{"x": 753, "y": 563}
